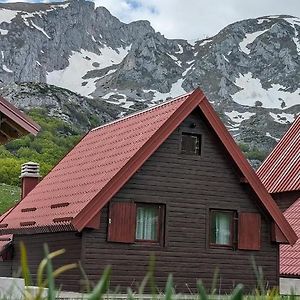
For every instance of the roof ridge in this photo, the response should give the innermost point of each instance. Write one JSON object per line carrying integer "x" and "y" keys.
{"x": 141, "y": 112}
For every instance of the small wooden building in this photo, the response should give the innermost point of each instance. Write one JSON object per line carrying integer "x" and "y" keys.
{"x": 280, "y": 173}
{"x": 169, "y": 180}
{"x": 14, "y": 123}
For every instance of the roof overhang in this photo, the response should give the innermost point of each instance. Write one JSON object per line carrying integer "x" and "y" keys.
{"x": 14, "y": 123}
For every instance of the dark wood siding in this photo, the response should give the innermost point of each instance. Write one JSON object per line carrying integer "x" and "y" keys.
{"x": 64, "y": 240}
{"x": 286, "y": 199}
{"x": 5, "y": 268}
{"x": 189, "y": 186}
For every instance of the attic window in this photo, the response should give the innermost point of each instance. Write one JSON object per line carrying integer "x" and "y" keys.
{"x": 190, "y": 143}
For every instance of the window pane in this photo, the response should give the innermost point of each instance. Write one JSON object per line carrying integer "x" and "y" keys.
{"x": 221, "y": 227}
{"x": 190, "y": 143}
{"x": 147, "y": 223}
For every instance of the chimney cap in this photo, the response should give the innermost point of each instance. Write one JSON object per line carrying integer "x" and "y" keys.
{"x": 30, "y": 169}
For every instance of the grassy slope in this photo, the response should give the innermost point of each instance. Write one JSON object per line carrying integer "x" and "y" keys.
{"x": 9, "y": 196}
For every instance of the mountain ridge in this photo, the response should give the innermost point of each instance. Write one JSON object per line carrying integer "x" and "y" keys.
{"x": 249, "y": 70}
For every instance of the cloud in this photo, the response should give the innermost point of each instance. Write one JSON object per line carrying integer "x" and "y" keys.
{"x": 192, "y": 19}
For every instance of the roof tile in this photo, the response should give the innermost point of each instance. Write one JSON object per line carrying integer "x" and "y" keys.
{"x": 87, "y": 168}
{"x": 280, "y": 172}
{"x": 290, "y": 255}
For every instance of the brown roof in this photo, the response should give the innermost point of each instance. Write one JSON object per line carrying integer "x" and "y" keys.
{"x": 72, "y": 194}
{"x": 14, "y": 123}
{"x": 290, "y": 255}
{"x": 280, "y": 172}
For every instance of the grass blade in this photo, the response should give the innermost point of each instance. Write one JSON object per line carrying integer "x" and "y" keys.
{"x": 201, "y": 291}
{"x": 24, "y": 265}
{"x": 237, "y": 293}
{"x": 102, "y": 286}
{"x": 49, "y": 268}
{"x": 169, "y": 288}
{"x": 214, "y": 282}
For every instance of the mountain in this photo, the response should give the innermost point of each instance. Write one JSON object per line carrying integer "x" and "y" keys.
{"x": 250, "y": 69}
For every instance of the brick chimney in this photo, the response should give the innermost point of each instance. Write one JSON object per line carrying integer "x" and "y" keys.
{"x": 30, "y": 176}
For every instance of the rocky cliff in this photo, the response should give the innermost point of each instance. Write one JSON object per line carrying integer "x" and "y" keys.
{"x": 250, "y": 70}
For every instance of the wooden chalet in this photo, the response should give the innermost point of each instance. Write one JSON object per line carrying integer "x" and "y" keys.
{"x": 169, "y": 180}
{"x": 280, "y": 173}
{"x": 13, "y": 123}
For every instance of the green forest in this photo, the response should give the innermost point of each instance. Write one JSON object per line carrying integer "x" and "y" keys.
{"x": 47, "y": 148}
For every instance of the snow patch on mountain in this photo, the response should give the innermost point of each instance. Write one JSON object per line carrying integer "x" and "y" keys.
{"x": 239, "y": 117}
{"x": 249, "y": 39}
{"x": 268, "y": 134}
{"x": 282, "y": 118}
{"x": 6, "y": 15}
{"x": 6, "y": 69}
{"x": 40, "y": 29}
{"x": 252, "y": 94}
{"x": 3, "y": 32}
{"x": 80, "y": 63}
{"x": 260, "y": 21}
{"x": 175, "y": 91}
{"x": 180, "y": 49}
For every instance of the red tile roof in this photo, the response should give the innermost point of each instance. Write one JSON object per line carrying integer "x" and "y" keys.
{"x": 74, "y": 192}
{"x": 280, "y": 172}
{"x": 290, "y": 255}
{"x": 15, "y": 120}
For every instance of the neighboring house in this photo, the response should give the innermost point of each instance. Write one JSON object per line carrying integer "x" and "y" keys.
{"x": 280, "y": 173}
{"x": 169, "y": 180}
{"x": 13, "y": 123}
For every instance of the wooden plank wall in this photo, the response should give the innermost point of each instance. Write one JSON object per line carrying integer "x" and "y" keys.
{"x": 69, "y": 241}
{"x": 5, "y": 268}
{"x": 286, "y": 199}
{"x": 189, "y": 186}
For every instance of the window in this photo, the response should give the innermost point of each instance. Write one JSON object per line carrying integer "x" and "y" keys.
{"x": 190, "y": 143}
{"x": 131, "y": 222}
{"x": 221, "y": 228}
{"x": 147, "y": 223}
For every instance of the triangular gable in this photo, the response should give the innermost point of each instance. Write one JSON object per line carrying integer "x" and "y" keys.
{"x": 163, "y": 120}
{"x": 280, "y": 171}
{"x": 14, "y": 123}
{"x": 196, "y": 98}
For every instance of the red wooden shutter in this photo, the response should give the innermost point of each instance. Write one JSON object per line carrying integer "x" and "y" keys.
{"x": 121, "y": 223}
{"x": 249, "y": 231}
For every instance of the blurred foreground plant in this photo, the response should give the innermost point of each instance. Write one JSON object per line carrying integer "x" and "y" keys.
{"x": 43, "y": 281}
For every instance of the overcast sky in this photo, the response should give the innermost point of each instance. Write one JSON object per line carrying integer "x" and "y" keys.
{"x": 193, "y": 19}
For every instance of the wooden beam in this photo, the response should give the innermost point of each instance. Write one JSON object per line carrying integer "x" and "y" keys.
{"x": 3, "y": 139}
{"x": 19, "y": 129}
{"x": 9, "y": 131}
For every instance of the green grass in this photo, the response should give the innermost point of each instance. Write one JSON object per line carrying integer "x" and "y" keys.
{"x": 9, "y": 196}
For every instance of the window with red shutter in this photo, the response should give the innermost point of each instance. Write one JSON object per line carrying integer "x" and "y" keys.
{"x": 249, "y": 231}
{"x": 131, "y": 222}
{"x": 121, "y": 223}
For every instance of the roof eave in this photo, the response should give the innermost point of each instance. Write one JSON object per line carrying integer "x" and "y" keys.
{"x": 39, "y": 229}
{"x": 18, "y": 117}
